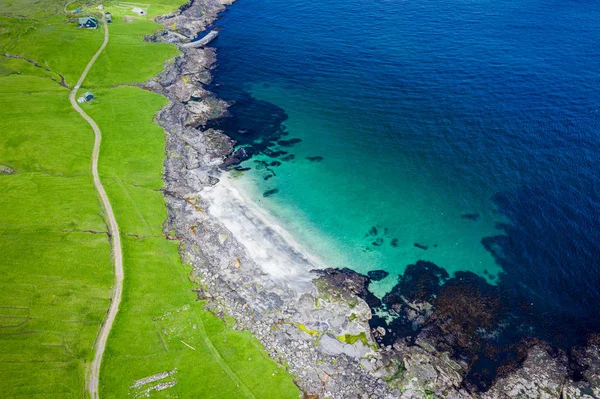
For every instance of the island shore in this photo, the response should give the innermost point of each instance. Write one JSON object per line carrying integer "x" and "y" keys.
{"x": 318, "y": 323}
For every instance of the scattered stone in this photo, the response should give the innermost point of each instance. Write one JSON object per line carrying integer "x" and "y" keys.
{"x": 5, "y": 170}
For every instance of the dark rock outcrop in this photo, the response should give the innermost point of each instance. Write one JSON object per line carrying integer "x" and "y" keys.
{"x": 347, "y": 283}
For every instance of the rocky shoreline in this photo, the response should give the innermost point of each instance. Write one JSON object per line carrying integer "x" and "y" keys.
{"x": 326, "y": 334}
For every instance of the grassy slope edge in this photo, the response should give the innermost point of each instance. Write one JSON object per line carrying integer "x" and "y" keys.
{"x": 56, "y": 275}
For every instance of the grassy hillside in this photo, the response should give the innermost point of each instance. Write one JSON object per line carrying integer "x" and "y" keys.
{"x": 54, "y": 250}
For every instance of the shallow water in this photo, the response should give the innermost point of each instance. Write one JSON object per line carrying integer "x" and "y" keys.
{"x": 426, "y": 128}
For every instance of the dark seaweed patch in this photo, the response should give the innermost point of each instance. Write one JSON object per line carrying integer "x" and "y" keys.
{"x": 287, "y": 158}
{"x": 315, "y": 158}
{"x": 372, "y": 232}
{"x": 255, "y": 124}
{"x": 394, "y": 242}
{"x": 273, "y": 154}
{"x": 268, "y": 193}
{"x": 289, "y": 143}
{"x": 378, "y": 242}
{"x": 423, "y": 247}
{"x": 262, "y": 165}
{"x": 470, "y": 216}
{"x": 420, "y": 282}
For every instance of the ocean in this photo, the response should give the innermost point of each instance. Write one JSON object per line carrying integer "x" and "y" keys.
{"x": 465, "y": 133}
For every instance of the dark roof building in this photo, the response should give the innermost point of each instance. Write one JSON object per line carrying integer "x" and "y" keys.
{"x": 108, "y": 17}
{"x": 88, "y": 23}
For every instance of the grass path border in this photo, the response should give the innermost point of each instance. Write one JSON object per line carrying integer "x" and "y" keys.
{"x": 94, "y": 370}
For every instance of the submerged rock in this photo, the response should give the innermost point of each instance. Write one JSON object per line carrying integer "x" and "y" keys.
{"x": 237, "y": 157}
{"x": 377, "y": 275}
{"x": 420, "y": 282}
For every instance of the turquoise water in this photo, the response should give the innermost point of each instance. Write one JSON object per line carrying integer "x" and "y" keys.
{"x": 332, "y": 205}
{"x": 467, "y": 128}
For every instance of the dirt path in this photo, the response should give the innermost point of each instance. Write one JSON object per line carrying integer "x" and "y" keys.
{"x": 94, "y": 371}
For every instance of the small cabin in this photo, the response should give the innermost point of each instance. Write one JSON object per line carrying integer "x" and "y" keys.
{"x": 88, "y": 96}
{"x": 108, "y": 17}
{"x": 139, "y": 11}
{"x": 88, "y": 23}
{"x": 128, "y": 18}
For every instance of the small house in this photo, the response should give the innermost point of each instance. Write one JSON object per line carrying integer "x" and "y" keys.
{"x": 78, "y": 10}
{"x": 88, "y": 96}
{"x": 139, "y": 11}
{"x": 88, "y": 23}
{"x": 108, "y": 17}
{"x": 128, "y": 18}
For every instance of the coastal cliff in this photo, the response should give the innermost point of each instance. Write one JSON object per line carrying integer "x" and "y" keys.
{"x": 323, "y": 329}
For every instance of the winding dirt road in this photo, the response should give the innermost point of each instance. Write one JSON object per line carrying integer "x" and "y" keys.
{"x": 94, "y": 371}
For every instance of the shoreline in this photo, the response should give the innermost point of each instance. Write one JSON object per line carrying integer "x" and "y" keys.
{"x": 320, "y": 325}
{"x": 267, "y": 242}
{"x": 299, "y": 325}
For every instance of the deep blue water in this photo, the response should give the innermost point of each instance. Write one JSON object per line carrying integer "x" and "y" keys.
{"x": 425, "y": 111}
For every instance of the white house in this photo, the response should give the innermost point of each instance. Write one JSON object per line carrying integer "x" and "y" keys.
{"x": 138, "y": 11}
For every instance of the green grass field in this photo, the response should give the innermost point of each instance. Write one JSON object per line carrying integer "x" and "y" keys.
{"x": 54, "y": 250}
{"x": 55, "y": 280}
